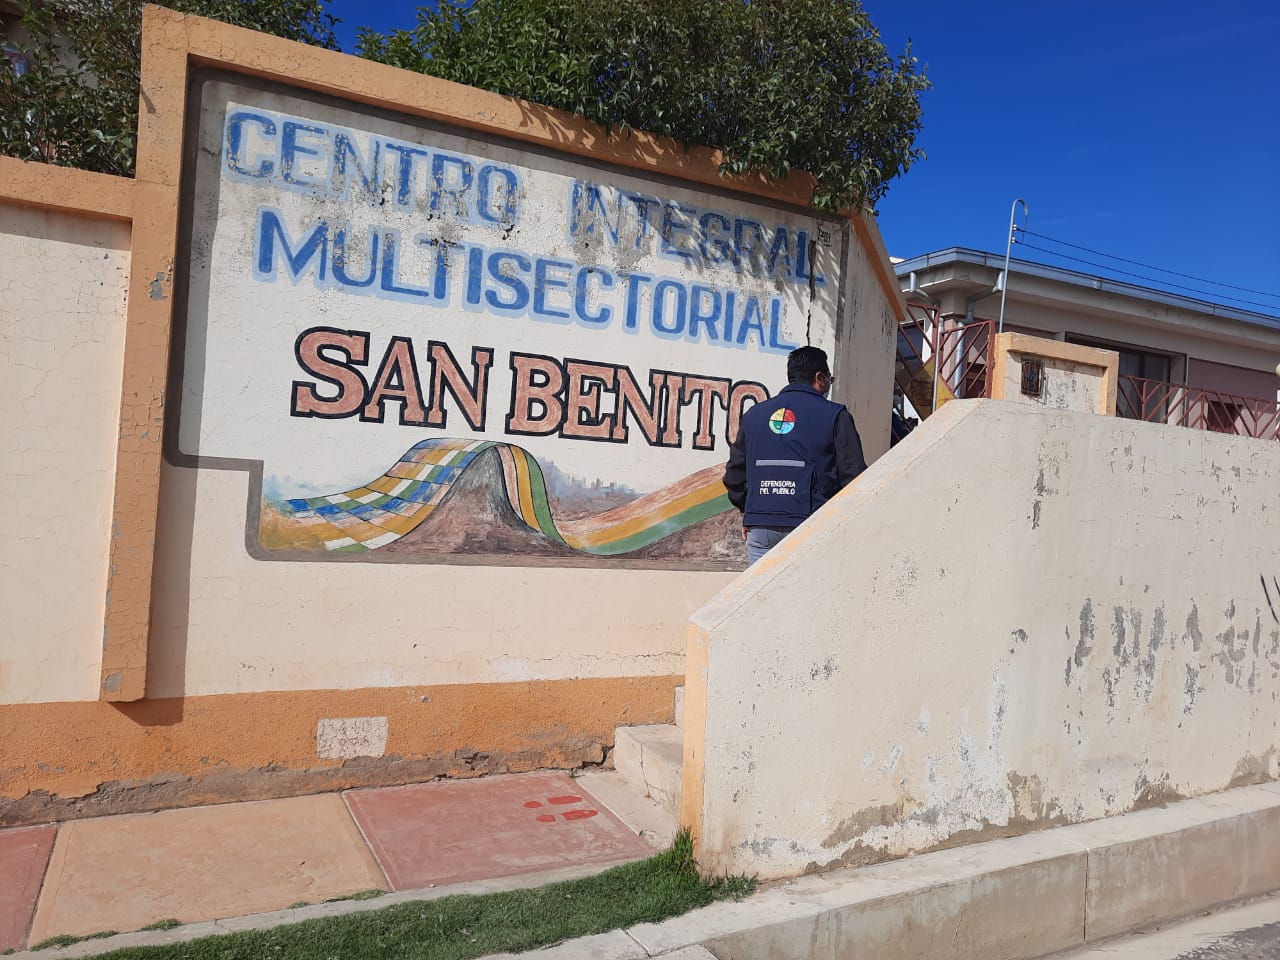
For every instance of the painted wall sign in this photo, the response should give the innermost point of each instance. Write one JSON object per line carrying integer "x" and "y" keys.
{"x": 437, "y": 345}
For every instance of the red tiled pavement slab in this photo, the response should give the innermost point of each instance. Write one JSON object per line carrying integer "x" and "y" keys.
{"x": 24, "y": 854}
{"x": 460, "y": 830}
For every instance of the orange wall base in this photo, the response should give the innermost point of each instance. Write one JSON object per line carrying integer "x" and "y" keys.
{"x": 61, "y": 761}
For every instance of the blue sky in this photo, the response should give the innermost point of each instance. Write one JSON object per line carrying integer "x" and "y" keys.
{"x": 1144, "y": 129}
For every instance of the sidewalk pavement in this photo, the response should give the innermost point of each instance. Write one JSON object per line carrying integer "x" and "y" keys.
{"x": 1019, "y": 898}
{"x": 196, "y": 864}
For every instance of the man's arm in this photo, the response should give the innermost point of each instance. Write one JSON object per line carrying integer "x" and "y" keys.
{"x": 849, "y": 459}
{"x": 735, "y": 472}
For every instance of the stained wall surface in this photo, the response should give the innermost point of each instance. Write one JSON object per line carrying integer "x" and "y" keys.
{"x": 1016, "y": 618}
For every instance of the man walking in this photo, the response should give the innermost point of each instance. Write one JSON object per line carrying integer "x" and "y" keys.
{"x": 792, "y": 454}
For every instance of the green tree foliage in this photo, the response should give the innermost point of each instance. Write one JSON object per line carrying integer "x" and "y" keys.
{"x": 77, "y": 103}
{"x": 777, "y": 85}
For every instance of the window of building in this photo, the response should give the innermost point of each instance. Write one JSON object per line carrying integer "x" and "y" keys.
{"x": 1145, "y": 390}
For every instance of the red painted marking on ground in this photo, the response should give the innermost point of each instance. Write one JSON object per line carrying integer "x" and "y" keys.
{"x": 579, "y": 814}
{"x": 546, "y": 818}
{"x": 559, "y": 801}
{"x": 532, "y": 804}
{"x": 414, "y": 831}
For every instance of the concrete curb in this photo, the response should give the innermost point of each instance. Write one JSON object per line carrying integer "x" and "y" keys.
{"x": 1023, "y": 897}
{"x": 1017, "y": 899}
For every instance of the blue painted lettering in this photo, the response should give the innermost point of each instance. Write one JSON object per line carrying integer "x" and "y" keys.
{"x": 237, "y": 157}
{"x": 582, "y": 298}
{"x": 297, "y": 258}
{"x": 704, "y": 310}
{"x": 506, "y": 269}
{"x": 499, "y": 195}
{"x": 675, "y": 325}
{"x": 291, "y": 150}
{"x": 545, "y": 283}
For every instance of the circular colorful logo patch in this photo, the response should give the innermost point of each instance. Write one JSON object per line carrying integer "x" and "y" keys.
{"x": 782, "y": 421}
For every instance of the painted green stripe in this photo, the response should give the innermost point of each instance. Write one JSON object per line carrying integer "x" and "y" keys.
{"x": 538, "y": 493}
{"x": 665, "y": 528}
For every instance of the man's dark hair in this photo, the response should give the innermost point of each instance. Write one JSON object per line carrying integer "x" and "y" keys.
{"x": 805, "y": 363}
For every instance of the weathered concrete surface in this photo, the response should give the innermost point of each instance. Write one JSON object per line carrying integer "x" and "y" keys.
{"x": 1015, "y": 898}
{"x": 648, "y": 819}
{"x": 650, "y": 757}
{"x": 1165, "y": 859}
{"x": 1019, "y": 897}
{"x": 1083, "y": 379}
{"x": 1064, "y": 617}
{"x": 194, "y": 750}
{"x": 194, "y": 865}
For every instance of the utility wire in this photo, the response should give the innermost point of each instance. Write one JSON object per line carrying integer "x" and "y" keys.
{"x": 1139, "y": 263}
{"x": 1130, "y": 273}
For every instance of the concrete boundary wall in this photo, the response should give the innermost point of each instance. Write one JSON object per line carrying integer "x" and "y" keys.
{"x": 1017, "y": 618}
{"x": 155, "y": 659}
{"x": 175, "y": 45}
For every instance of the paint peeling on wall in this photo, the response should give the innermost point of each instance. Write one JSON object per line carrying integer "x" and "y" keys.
{"x": 595, "y": 336}
{"x": 1119, "y": 654}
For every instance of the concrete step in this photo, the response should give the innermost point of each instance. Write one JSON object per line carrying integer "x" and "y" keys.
{"x": 649, "y": 758}
{"x": 652, "y": 822}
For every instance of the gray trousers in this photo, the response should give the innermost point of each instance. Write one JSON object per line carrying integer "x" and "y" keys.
{"x": 760, "y": 540}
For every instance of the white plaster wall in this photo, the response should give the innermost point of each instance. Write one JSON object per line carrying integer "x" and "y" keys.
{"x": 1017, "y": 617}
{"x": 865, "y": 356}
{"x": 226, "y": 623}
{"x": 63, "y": 283}
{"x": 223, "y": 622}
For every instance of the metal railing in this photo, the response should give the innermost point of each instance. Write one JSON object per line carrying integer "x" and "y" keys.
{"x": 965, "y": 354}
{"x": 1155, "y": 401}
{"x": 962, "y": 353}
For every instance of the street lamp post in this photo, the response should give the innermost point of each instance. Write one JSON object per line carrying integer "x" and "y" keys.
{"x": 1004, "y": 277}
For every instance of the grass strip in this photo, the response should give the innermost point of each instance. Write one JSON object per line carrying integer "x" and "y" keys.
{"x": 463, "y": 927}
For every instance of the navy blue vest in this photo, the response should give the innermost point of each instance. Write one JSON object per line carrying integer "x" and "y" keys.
{"x": 789, "y": 441}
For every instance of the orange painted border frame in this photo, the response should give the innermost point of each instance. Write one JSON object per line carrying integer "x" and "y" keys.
{"x": 63, "y": 189}
{"x": 172, "y": 45}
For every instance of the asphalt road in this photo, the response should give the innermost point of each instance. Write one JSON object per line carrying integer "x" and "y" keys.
{"x": 1249, "y": 932}
{"x": 1256, "y": 943}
